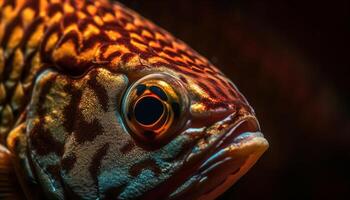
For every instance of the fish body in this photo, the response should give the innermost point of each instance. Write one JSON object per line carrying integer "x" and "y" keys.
{"x": 97, "y": 102}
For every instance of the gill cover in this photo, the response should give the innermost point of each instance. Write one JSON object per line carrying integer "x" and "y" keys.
{"x": 81, "y": 146}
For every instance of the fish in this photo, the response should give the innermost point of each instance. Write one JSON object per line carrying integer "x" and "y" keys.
{"x": 97, "y": 102}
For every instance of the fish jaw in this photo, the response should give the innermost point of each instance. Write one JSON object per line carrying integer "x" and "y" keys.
{"x": 249, "y": 152}
{"x": 231, "y": 155}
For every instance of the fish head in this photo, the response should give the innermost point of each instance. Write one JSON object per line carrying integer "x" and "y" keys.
{"x": 207, "y": 130}
{"x": 140, "y": 117}
{"x": 212, "y": 134}
{"x": 151, "y": 133}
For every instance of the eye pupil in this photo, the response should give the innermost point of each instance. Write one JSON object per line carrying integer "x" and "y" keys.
{"x": 148, "y": 110}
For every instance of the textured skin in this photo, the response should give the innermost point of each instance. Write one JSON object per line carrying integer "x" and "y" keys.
{"x": 74, "y": 59}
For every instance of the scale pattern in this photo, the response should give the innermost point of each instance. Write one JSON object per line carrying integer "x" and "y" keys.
{"x": 71, "y": 60}
{"x": 74, "y": 36}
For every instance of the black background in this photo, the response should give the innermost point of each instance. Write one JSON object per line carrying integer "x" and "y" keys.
{"x": 291, "y": 60}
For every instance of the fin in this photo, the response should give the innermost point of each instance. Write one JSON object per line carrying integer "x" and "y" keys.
{"x": 9, "y": 187}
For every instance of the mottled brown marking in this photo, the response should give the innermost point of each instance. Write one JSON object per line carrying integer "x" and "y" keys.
{"x": 71, "y": 109}
{"x": 99, "y": 90}
{"x": 129, "y": 146}
{"x": 114, "y": 192}
{"x": 42, "y": 141}
{"x": 96, "y": 162}
{"x": 85, "y": 131}
{"x": 68, "y": 162}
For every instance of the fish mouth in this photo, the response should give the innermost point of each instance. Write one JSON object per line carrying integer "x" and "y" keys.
{"x": 230, "y": 157}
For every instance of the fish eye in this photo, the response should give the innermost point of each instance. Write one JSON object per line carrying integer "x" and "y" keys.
{"x": 155, "y": 108}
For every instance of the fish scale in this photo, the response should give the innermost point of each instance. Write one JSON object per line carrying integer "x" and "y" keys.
{"x": 18, "y": 64}
{"x": 61, "y": 34}
{"x": 12, "y": 89}
{"x": 64, "y": 68}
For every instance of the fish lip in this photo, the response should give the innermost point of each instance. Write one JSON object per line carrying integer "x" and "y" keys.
{"x": 243, "y": 134}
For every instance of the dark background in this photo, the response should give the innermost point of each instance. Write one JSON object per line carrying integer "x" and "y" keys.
{"x": 291, "y": 60}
